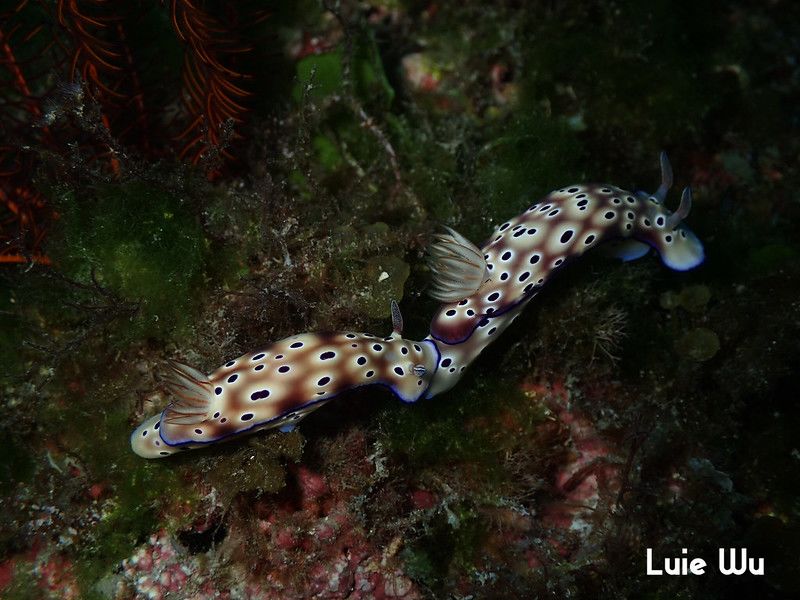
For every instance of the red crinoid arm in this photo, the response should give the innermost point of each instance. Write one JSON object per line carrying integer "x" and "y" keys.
{"x": 190, "y": 128}
{"x": 19, "y": 259}
{"x": 232, "y": 109}
{"x": 138, "y": 96}
{"x": 21, "y": 206}
{"x": 22, "y": 221}
{"x": 194, "y": 81}
{"x": 19, "y": 78}
{"x": 174, "y": 9}
{"x": 102, "y": 56}
{"x": 213, "y": 94}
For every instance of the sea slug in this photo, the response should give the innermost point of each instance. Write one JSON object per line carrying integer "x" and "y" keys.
{"x": 484, "y": 290}
{"x": 276, "y": 386}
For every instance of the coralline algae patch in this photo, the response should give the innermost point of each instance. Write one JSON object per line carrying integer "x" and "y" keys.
{"x": 306, "y": 542}
{"x": 158, "y": 569}
{"x": 315, "y": 539}
{"x": 588, "y": 480}
{"x": 308, "y": 546}
{"x": 40, "y": 573}
{"x": 559, "y": 522}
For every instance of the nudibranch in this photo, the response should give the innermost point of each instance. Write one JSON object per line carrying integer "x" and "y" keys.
{"x": 484, "y": 290}
{"x": 276, "y": 386}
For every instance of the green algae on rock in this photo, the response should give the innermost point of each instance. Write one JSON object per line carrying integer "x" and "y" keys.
{"x": 693, "y": 298}
{"x": 255, "y": 466}
{"x": 383, "y": 279}
{"x": 142, "y": 243}
{"x": 699, "y": 344}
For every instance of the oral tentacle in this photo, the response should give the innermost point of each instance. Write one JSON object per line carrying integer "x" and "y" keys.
{"x": 666, "y": 178}
{"x": 683, "y": 209}
{"x": 397, "y": 319}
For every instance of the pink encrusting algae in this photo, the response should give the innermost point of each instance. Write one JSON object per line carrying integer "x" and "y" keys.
{"x": 313, "y": 546}
{"x": 589, "y": 475}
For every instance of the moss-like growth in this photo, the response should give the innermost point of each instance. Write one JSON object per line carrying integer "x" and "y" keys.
{"x": 23, "y": 586}
{"x": 450, "y": 547}
{"x": 96, "y": 429}
{"x": 532, "y": 154}
{"x": 693, "y": 298}
{"x": 699, "y": 344}
{"x": 382, "y": 280}
{"x": 470, "y": 425}
{"x": 320, "y": 76}
{"x": 256, "y": 465}
{"x": 143, "y": 244}
{"x": 608, "y": 80}
{"x": 16, "y": 464}
{"x": 771, "y": 257}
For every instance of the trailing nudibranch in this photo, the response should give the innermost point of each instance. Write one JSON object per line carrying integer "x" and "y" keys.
{"x": 485, "y": 289}
{"x": 277, "y": 386}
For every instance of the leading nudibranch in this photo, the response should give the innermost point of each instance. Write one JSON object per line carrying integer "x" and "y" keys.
{"x": 277, "y": 386}
{"x": 485, "y": 289}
